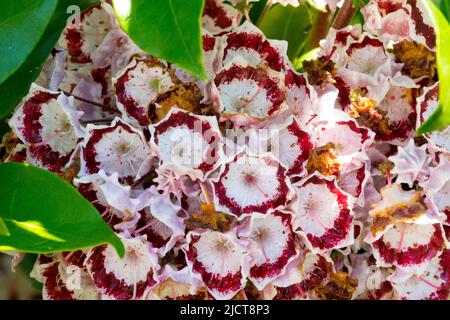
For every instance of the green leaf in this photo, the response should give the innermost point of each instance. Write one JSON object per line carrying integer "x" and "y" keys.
{"x": 358, "y": 17}
{"x": 4, "y": 229}
{"x": 16, "y": 86}
{"x": 167, "y": 29}
{"x": 444, "y": 6}
{"x": 441, "y": 118}
{"x": 258, "y": 10}
{"x": 288, "y": 23}
{"x": 4, "y": 128}
{"x": 46, "y": 214}
{"x": 22, "y": 24}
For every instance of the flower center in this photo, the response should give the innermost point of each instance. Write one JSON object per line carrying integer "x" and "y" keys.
{"x": 223, "y": 245}
{"x": 155, "y": 85}
{"x": 123, "y": 148}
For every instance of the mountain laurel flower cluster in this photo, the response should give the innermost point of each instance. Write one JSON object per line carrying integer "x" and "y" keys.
{"x": 260, "y": 182}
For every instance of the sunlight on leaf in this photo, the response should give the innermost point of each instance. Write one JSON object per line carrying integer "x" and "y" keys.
{"x": 46, "y": 214}
{"x": 38, "y": 229}
{"x": 8, "y": 248}
{"x": 3, "y": 229}
{"x": 123, "y": 9}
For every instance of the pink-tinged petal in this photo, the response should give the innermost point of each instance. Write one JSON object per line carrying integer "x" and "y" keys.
{"x": 390, "y": 20}
{"x": 115, "y": 148}
{"x": 432, "y": 284}
{"x": 161, "y": 224}
{"x": 252, "y": 184}
{"x": 376, "y": 284}
{"x": 437, "y": 187}
{"x": 399, "y": 104}
{"x": 188, "y": 144}
{"x": 54, "y": 287}
{"x": 157, "y": 233}
{"x": 48, "y": 126}
{"x": 138, "y": 85}
{"x": 249, "y": 43}
{"x": 409, "y": 246}
{"x": 93, "y": 89}
{"x": 219, "y": 260}
{"x": 220, "y": 17}
{"x": 169, "y": 183}
{"x": 422, "y": 29}
{"x": 64, "y": 277}
{"x": 111, "y": 193}
{"x": 249, "y": 91}
{"x": 165, "y": 210}
{"x": 291, "y": 145}
{"x": 179, "y": 285}
{"x": 365, "y": 61}
{"x": 272, "y": 246}
{"x": 125, "y": 278}
{"x": 411, "y": 164}
{"x": 116, "y": 50}
{"x": 83, "y": 35}
{"x": 300, "y": 97}
{"x": 335, "y": 44}
{"x": 323, "y": 214}
{"x": 347, "y": 137}
{"x": 315, "y": 269}
{"x": 439, "y": 176}
{"x": 211, "y": 57}
{"x": 354, "y": 181}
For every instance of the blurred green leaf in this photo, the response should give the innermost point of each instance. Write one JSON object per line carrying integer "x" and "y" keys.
{"x": 258, "y": 10}
{"x": 4, "y": 128}
{"x": 46, "y": 214}
{"x": 441, "y": 118}
{"x": 166, "y": 29}
{"x": 288, "y": 23}
{"x": 26, "y": 266}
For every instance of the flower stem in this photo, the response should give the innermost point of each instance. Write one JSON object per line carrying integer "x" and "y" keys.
{"x": 320, "y": 28}
{"x": 344, "y": 15}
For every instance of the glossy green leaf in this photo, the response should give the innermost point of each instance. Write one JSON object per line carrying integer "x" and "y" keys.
{"x": 46, "y": 214}
{"x": 288, "y": 23}
{"x": 167, "y": 29}
{"x": 16, "y": 86}
{"x": 441, "y": 118}
{"x": 22, "y": 24}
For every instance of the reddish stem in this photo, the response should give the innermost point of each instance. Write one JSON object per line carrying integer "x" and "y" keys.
{"x": 344, "y": 15}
